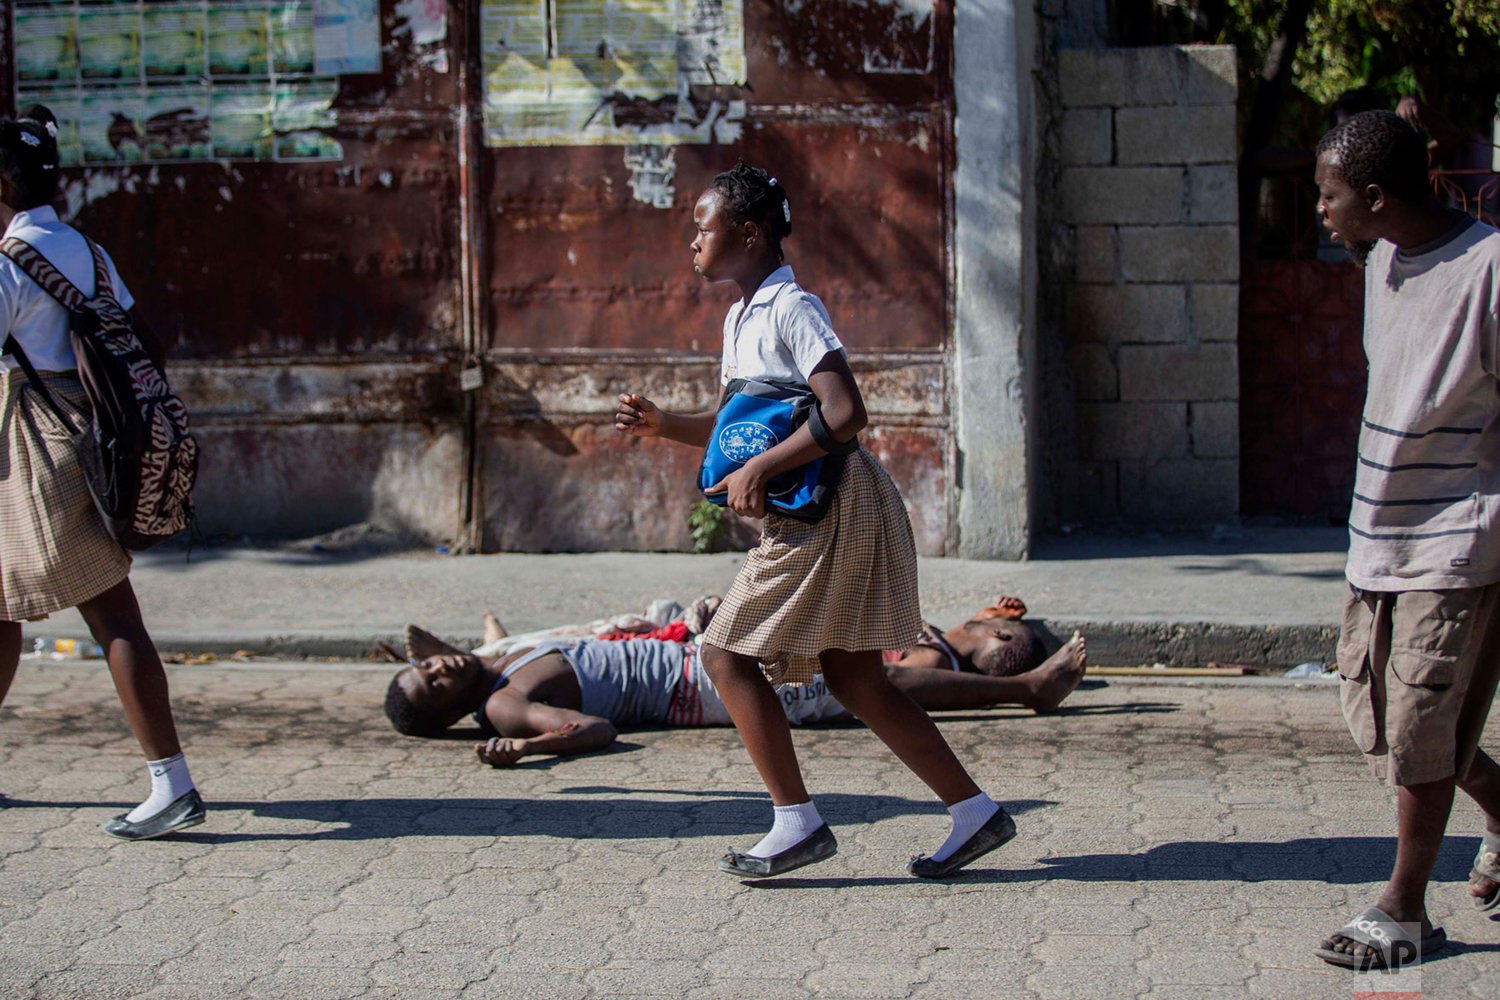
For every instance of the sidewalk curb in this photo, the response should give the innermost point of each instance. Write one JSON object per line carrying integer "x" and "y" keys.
{"x": 1110, "y": 643}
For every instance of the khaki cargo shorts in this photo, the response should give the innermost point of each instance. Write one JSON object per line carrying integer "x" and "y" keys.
{"x": 1417, "y": 675}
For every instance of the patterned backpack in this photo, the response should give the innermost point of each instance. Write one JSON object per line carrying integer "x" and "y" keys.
{"x": 138, "y": 457}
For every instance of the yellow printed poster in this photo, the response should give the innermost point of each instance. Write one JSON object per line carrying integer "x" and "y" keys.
{"x": 170, "y": 81}
{"x": 174, "y": 40}
{"x": 46, "y": 49}
{"x": 609, "y": 72}
{"x": 110, "y": 125}
{"x": 238, "y": 40}
{"x": 109, "y": 44}
{"x": 292, "y": 37}
{"x": 241, "y": 122}
{"x": 177, "y": 125}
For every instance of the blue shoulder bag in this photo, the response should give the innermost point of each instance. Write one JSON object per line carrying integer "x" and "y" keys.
{"x": 755, "y": 416}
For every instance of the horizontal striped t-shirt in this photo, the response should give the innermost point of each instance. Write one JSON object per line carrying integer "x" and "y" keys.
{"x": 1427, "y": 491}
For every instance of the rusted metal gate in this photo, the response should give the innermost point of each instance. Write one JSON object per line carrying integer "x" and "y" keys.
{"x": 1302, "y": 384}
{"x": 322, "y": 313}
{"x": 1302, "y": 361}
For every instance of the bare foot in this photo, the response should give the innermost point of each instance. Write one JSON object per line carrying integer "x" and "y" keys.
{"x": 1008, "y": 608}
{"x": 420, "y": 644}
{"x": 493, "y": 630}
{"x": 1056, "y": 678}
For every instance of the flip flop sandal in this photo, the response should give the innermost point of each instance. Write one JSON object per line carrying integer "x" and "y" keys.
{"x": 1393, "y": 946}
{"x": 1487, "y": 865}
{"x": 817, "y": 846}
{"x": 997, "y": 830}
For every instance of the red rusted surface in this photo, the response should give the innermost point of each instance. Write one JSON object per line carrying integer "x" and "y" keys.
{"x": 581, "y": 270}
{"x": 1302, "y": 384}
{"x": 579, "y": 263}
{"x": 317, "y": 312}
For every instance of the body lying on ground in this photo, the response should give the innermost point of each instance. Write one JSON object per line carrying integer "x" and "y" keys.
{"x": 566, "y": 695}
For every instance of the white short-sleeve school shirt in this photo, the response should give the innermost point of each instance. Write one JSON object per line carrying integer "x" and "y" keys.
{"x": 38, "y": 322}
{"x": 782, "y": 333}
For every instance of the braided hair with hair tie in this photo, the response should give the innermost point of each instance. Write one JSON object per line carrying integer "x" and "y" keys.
{"x": 29, "y": 156}
{"x": 753, "y": 195}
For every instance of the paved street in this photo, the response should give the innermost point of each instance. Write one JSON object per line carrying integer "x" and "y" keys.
{"x": 1176, "y": 841}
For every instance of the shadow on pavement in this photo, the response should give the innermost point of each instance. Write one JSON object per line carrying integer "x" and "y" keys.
{"x": 632, "y": 814}
{"x": 1334, "y": 860}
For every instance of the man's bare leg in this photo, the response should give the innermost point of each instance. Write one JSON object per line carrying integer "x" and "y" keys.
{"x": 1421, "y": 817}
{"x": 1482, "y": 784}
{"x": 1042, "y": 689}
{"x": 493, "y": 630}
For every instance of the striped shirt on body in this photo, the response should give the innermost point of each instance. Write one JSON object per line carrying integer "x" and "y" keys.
{"x": 1427, "y": 489}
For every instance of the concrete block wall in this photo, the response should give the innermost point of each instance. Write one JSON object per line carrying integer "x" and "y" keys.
{"x": 1147, "y": 284}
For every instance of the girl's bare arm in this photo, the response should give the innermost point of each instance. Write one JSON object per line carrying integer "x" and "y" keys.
{"x": 638, "y": 416}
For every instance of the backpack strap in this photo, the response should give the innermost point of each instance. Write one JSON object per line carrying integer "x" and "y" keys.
{"x": 40, "y": 270}
{"x": 13, "y": 348}
{"x": 102, "y": 284}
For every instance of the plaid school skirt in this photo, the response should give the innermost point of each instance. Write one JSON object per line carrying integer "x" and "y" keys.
{"x": 848, "y": 582}
{"x": 54, "y": 550}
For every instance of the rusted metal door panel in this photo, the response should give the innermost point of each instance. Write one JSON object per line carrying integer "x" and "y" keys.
{"x": 579, "y": 263}
{"x": 313, "y": 308}
{"x": 849, "y": 104}
{"x": 1302, "y": 384}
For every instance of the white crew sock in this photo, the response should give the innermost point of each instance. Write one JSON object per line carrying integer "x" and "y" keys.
{"x": 968, "y": 816}
{"x": 792, "y": 826}
{"x": 170, "y": 781}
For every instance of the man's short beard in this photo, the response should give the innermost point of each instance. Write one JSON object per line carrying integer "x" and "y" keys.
{"x": 1359, "y": 252}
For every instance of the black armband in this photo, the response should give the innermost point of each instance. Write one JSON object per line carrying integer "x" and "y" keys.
{"x": 824, "y": 438}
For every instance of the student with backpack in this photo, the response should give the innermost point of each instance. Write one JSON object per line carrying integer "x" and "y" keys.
{"x": 825, "y": 591}
{"x": 56, "y": 549}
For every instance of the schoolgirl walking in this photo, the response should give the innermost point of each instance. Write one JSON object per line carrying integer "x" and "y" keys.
{"x": 55, "y": 551}
{"x": 826, "y": 594}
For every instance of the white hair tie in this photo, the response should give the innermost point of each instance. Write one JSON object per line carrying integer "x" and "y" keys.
{"x": 30, "y": 139}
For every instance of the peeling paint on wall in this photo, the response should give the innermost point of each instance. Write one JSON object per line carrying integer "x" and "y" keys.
{"x": 906, "y": 45}
{"x": 652, "y": 171}
{"x": 426, "y": 21}
{"x": 84, "y": 191}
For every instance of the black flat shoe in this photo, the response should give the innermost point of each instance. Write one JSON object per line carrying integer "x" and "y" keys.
{"x": 997, "y": 830}
{"x": 185, "y": 812}
{"x": 820, "y": 844}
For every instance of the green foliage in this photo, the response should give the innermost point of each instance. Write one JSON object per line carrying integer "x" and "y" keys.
{"x": 1444, "y": 52}
{"x": 707, "y": 526}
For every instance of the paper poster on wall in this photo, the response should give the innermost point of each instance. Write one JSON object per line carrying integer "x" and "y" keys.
{"x": 174, "y": 41}
{"x": 609, "y": 72}
{"x": 346, "y": 36}
{"x": 292, "y": 37}
{"x": 45, "y": 46}
{"x": 109, "y": 44}
{"x": 177, "y": 80}
{"x": 239, "y": 40}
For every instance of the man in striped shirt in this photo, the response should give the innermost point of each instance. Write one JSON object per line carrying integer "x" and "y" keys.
{"x": 1419, "y": 652}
